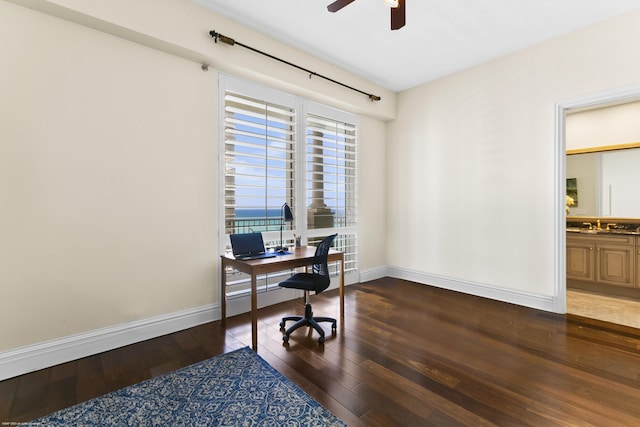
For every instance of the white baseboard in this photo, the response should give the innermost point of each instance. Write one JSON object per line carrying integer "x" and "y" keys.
{"x": 373, "y": 274}
{"x": 539, "y": 302}
{"x": 50, "y": 353}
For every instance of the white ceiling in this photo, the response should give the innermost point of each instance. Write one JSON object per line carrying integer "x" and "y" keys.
{"x": 440, "y": 37}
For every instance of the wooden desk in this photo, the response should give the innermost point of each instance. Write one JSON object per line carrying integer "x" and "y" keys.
{"x": 300, "y": 257}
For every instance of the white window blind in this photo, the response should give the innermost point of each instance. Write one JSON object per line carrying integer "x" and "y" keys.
{"x": 331, "y": 172}
{"x": 259, "y": 152}
{"x": 259, "y": 165}
{"x": 331, "y": 177}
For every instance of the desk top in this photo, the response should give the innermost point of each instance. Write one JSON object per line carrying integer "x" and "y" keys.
{"x": 297, "y": 257}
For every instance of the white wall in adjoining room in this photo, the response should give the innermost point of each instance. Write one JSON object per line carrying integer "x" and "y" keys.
{"x": 472, "y": 160}
{"x": 585, "y": 169}
{"x": 606, "y": 126}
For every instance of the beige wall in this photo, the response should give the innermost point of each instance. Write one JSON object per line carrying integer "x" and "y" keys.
{"x": 472, "y": 159}
{"x": 109, "y": 208}
{"x": 108, "y": 161}
{"x": 372, "y": 193}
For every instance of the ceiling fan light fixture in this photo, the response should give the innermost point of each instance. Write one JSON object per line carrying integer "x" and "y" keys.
{"x": 398, "y": 10}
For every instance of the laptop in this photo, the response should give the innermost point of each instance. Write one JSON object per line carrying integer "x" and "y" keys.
{"x": 249, "y": 246}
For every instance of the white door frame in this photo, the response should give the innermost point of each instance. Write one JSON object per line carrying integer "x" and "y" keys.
{"x": 596, "y": 100}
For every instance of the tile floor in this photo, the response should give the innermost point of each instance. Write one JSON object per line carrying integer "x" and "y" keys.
{"x": 620, "y": 310}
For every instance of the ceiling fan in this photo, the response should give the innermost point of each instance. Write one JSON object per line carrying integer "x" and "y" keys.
{"x": 397, "y": 10}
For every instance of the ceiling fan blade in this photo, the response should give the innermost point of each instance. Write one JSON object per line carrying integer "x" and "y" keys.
{"x": 398, "y": 15}
{"x": 339, "y": 4}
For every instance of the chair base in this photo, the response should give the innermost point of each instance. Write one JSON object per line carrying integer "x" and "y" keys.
{"x": 307, "y": 320}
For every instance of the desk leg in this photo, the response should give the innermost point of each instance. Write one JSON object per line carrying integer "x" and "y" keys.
{"x": 342, "y": 288}
{"x": 223, "y": 293}
{"x": 254, "y": 312}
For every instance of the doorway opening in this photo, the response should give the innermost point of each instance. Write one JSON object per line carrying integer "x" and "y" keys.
{"x": 608, "y": 309}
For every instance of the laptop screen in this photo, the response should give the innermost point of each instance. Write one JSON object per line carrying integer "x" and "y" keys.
{"x": 247, "y": 244}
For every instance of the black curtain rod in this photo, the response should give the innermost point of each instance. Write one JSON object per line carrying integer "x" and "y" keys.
{"x": 228, "y": 40}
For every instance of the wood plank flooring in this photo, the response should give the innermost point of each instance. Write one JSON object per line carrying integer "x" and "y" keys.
{"x": 406, "y": 355}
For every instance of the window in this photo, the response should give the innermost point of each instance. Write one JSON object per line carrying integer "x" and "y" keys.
{"x": 331, "y": 183}
{"x": 259, "y": 149}
{"x": 276, "y": 149}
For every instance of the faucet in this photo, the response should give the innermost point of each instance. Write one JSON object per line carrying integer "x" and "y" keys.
{"x": 611, "y": 224}
{"x": 589, "y": 224}
{"x": 598, "y": 226}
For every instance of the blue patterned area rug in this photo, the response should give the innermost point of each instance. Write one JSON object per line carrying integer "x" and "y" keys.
{"x": 234, "y": 389}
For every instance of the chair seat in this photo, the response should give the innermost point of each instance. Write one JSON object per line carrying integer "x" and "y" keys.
{"x": 306, "y": 281}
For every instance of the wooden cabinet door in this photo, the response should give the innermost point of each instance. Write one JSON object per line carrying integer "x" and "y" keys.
{"x": 580, "y": 259}
{"x": 637, "y": 249}
{"x": 637, "y": 278}
{"x": 615, "y": 264}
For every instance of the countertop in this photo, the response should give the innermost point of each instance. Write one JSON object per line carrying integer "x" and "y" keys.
{"x": 603, "y": 231}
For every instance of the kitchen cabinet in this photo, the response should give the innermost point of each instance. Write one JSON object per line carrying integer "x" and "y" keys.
{"x": 602, "y": 261}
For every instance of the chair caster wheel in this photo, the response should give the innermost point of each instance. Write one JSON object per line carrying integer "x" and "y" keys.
{"x": 321, "y": 340}
{"x": 281, "y": 325}
{"x": 285, "y": 338}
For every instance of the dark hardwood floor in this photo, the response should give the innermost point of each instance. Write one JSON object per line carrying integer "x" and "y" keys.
{"x": 406, "y": 355}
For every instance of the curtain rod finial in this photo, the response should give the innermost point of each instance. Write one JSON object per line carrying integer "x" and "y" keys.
{"x": 224, "y": 39}
{"x": 374, "y": 98}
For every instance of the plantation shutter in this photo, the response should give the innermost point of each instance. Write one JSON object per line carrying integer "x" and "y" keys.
{"x": 259, "y": 147}
{"x": 331, "y": 183}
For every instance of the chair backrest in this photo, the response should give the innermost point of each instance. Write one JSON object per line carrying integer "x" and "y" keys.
{"x": 320, "y": 267}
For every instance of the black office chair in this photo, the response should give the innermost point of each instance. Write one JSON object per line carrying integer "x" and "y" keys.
{"x": 317, "y": 280}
